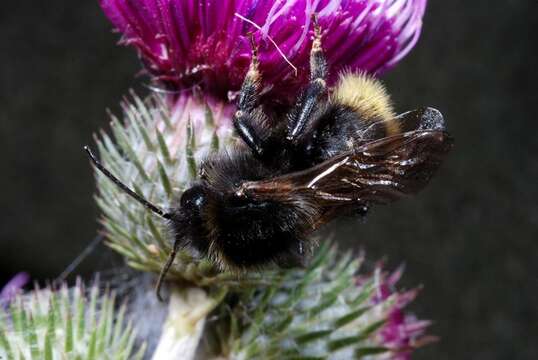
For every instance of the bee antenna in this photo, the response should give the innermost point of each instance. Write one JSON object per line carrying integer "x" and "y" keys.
{"x": 122, "y": 186}
{"x": 165, "y": 269}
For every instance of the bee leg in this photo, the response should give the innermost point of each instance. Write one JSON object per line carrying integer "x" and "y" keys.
{"x": 247, "y": 114}
{"x": 310, "y": 100}
{"x": 318, "y": 63}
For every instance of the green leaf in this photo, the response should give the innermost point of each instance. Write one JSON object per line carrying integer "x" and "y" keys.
{"x": 189, "y": 150}
{"x": 163, "y": 148}
{"x": 215, "y": 142}
{"x": 79, "y": 315}
{"x": 312, "y": 336}
{"x": 92, "y": 346}
{"x": 370, "y": 329}
{"x": 165, "y": 181}
{"x": 49, "y": 339}
{"x": 69, "y": 334}
{"x": 209, "y": 118}
{"x": 367, "y": 351}
{"x": 32, "y": 338}
{"x": 350, "y": 317}
{"x": 128, "y": 149}
{"x": 343, "y": 342}
{"x": 163, "y": 245}
{"x": 5, "y": 344}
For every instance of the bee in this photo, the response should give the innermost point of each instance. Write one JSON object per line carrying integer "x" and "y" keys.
{"x": 336, "y": 152}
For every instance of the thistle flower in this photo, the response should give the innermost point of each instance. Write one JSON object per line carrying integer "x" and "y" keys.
{"x": 199, "y": 50}
{"x": 162, "y": 141}
{"x": 13, "y": 287}
{"x": 204, "y": 43}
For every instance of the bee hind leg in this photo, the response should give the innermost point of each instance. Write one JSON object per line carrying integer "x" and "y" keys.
{"x": 303, "y": 116}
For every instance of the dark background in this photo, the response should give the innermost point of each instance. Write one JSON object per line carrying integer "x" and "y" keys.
{"x": 470, "y": 239}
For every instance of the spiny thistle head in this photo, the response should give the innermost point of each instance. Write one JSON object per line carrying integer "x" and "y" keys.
{"x": 157, "y": 151}
{"x": 325, "y": 311}
{"x": 205, "y": 43}
{"x": 74, "y": 323}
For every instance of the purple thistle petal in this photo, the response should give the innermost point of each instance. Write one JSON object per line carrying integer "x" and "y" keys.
{"x": 402, "y": 332}
{"x": 13, "y": 287}
{"x": 184, "y": 43}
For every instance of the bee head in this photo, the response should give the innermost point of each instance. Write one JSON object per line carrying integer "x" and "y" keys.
{"x": 188, "y": 225}
{"x": 194, "y": 218}
{"x": 194, "y": 199}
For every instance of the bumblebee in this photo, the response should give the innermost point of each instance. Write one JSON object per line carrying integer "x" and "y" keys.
{"x": 336, "y": 152}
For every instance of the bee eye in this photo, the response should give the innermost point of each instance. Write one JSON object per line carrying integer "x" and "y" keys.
{"x": 193, "y": 199}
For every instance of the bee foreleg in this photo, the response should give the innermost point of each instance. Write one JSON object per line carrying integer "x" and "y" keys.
{"x": 310, "y": 100}
{"x": 244, "y": 118}
{"x": 318, "y": 64}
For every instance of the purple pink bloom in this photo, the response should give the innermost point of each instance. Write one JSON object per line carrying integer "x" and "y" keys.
{"x": 402, "y": 332}
{"x": 13, "y": 287}
{"x": 185, "y": 43}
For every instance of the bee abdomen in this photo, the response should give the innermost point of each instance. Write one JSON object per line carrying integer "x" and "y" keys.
{"x": 367, "y": 97}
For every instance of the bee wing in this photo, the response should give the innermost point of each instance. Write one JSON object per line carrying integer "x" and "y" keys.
{"x": 379, "y": 171}
{"x": 425, "y": 118}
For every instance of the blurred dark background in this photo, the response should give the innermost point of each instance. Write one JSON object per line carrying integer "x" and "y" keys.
{"x": 471, "y": 239}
